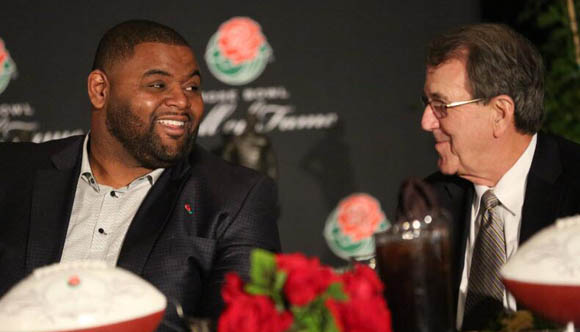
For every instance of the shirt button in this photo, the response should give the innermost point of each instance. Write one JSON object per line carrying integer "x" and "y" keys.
{"x": 113, "y": 194}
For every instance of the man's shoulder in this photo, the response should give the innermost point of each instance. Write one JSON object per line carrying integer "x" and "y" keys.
{"x": 222, "y": 185}
{"x": 216, "y": 170}
{"x": 29, "y": 153}
{"x": 568, "y": 152}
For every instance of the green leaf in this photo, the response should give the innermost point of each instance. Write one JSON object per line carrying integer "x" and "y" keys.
{"x": 314, "y": 317}
{"x": 279, "y": 280}
{"x": 277, "y": 291}
{"x": 263, "y": 268}
{"x": 257, "y": 290}
{"x": 336, "y": 292}
{"x": 307, "y": 318}
{"x": 330, "y": 324}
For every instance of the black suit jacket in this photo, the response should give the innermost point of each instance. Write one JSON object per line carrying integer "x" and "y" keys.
{"x": 552, "y": 191}
{"x": 184, "y": 255}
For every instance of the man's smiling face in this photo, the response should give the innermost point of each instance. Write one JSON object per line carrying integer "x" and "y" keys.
{"x": 462, "y": 136}
{"x": 155, "y": 105}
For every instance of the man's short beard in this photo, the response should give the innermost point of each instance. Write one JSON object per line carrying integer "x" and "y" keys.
{"x": 141, "y": 141}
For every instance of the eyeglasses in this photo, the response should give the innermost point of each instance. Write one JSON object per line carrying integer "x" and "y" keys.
{"x": 440, "y": 108}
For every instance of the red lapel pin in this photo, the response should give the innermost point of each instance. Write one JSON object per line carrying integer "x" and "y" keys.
{"x": 188, "y": 208}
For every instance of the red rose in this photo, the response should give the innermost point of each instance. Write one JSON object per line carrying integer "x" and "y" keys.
{"x": 362, "y": 315}
{"x": 253, "y": 313}
{"x": 233, "y": 287}
{"x": 306, "y": 278}
{"x": 366, "y": 309}
{"x": 362, "y": 283}
{"x": 245, "y": 312}
{"x": 240, "y": 39}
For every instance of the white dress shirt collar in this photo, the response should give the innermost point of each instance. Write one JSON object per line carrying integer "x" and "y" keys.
{"x": 87, "y": 173}
{"x": 510, "y": 189}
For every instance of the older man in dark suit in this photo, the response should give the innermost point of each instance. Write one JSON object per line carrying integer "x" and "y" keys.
{"x": 136, "y": 192}
{"x": 501, "y": 180}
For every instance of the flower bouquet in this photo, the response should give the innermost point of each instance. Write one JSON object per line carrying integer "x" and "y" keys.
{"x": 290, "y": 292}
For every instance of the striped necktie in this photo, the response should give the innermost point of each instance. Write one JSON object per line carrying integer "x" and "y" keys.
{"x": 485, "y": 290}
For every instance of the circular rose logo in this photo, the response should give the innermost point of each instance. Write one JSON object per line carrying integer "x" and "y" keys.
{"x": 238, "y": 52}
{"x": 350, "y": 227}
{"x": 3, "y": 57}
{"x": 240, "y": 39}
{"x": 7, "y": 67}
{"x": 359, "y": 215}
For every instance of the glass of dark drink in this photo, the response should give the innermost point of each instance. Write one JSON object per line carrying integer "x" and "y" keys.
{"x": 414, "y": 261}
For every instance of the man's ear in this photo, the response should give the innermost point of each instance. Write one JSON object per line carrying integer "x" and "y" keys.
{"x": 503, "y": 108}
{"x": 98, "y": 87}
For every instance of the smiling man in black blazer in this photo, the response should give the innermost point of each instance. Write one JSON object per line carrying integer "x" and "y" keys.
{"x": 137, "y": 192}
{"x": 500, "y": 179}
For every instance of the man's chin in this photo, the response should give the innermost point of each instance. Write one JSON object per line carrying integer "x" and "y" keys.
{"x": 173, "y": 153}
{"x": 446, "y": 167}
{"x": 174, "y": 149}
{"x": 174, "y": 142}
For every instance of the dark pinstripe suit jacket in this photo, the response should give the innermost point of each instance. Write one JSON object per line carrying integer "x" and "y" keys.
{"x": 184, "y": 255}
{"x": 552, "y": 191}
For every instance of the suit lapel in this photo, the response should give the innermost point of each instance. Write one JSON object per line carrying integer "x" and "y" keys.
{"x": 462, "y": 197}
{"x": 543, "y": 194}
{"x": 151, "y": 218}
{"x": 51, "y": 206}
{"x": 465, "y": 229}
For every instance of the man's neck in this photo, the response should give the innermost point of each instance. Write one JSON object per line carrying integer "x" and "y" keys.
{"x": 110, "y": 170}
{"x": 510, "y": 149}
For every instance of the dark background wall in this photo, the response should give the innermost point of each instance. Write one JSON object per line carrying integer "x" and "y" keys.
{"x": 357, "y": 61}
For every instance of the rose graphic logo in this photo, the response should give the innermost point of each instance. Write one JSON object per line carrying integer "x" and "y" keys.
{"x": 238, "y": 52}
{"x": 7, "y": 67}
{"x": 359, "y": 216}
{"x": 240, "y": 40}
{"x": 350, "y": 227}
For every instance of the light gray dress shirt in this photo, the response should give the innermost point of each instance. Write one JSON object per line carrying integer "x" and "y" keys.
{"x": 101, "y": 215}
